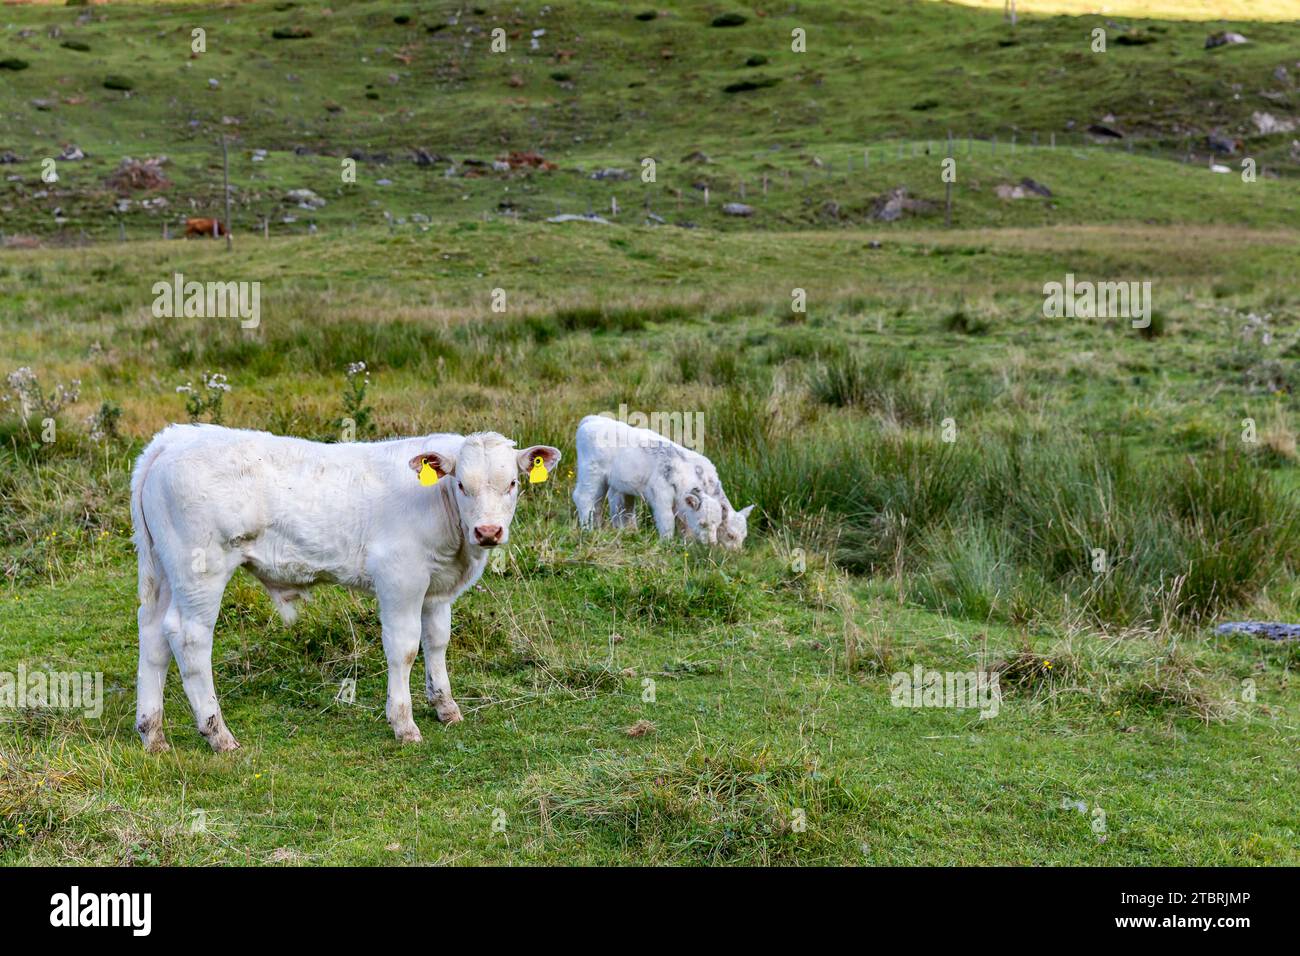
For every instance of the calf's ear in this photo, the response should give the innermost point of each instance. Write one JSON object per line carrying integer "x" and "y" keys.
{"x": 744, "y": 512}
{"x": 692, "y": 500}
{"x": 528, "y": 457}
{"x": 444, "y": 465}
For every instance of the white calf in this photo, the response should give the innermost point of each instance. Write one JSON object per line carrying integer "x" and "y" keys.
{"x": 618, "y": 462}
{"x": 206, "y": 500}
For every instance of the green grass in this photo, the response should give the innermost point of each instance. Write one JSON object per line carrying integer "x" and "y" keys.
{"x": 933, "y": 460}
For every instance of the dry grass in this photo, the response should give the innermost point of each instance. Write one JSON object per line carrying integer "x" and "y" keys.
{"x": 1154, "y": 9}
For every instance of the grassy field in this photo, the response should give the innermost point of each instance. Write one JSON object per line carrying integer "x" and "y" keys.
{"x": 628, "y": 701}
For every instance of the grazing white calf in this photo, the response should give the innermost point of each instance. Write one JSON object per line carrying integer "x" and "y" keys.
{"x": 206, "y": 500}
{"x": 618, "y": 462}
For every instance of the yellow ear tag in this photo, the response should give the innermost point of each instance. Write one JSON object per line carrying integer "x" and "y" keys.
{"x": 427, "y": 475}
{"x": 538, "y": 473}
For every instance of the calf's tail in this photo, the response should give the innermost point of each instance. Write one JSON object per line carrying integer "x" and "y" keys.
{"x": 150, "y": 582}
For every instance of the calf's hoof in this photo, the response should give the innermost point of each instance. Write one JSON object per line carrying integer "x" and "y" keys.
{"x": 219, "y": 738}
{"x": 408, "y": 735}
{"x": 448, "y": 712}
{"x": 151, "y": 734}
{"x": 223, "y": 742}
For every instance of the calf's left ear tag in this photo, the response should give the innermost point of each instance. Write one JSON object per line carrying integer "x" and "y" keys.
{"x": 538, "y": 473}
{"x": 427, "y": 475}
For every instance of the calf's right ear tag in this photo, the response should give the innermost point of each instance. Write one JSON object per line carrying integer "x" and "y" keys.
{"x": 427, "y": 475}
{"x": 538, "y": 473}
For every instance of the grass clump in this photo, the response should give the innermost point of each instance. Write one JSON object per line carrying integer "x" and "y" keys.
{"x": 716, "y": 803}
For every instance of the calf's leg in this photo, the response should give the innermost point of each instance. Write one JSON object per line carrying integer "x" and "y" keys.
{"x": 399, "y": 617}
{"x": 622, "y": 510}
{"x": 587, "y": 492}
{"x": 661, "y": 506}
{"x": 435, "y": 634}
{"x": 151, "y": 675}
{"x": 188, "y": 624}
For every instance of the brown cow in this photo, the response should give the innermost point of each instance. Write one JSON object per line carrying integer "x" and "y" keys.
{"x": 204, "y": 227}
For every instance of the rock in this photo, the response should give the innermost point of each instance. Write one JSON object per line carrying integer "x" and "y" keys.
{"x": 756, "y": 60}
{"x": 290, "y": 33}
{"x": 8, "y": 158}
{"x": 894, "y": 204}
{"x": 43, "y": 105}
{"x": 1106, "y": 132}
{"x": 378, "y": 182}
{"x": 646, "y": 15}
{"x": 79, "y": 46}
{"x": 1217, "y": 168}
{"x": 529, "y": 160}
{"x": 611, "y": 173}
{"x": 1267, "y": 123}
{"x": 653, "y": 217}
{"x": 304, "y": 198}
{"x": 737, "y": 209}
{"x": 696, "y": 157}
{"x": 70, "y": 153}
{"x": 1272, "y": 630}
{"x": 745, "y": 86}
{"x": 1221, "y": 144}
{"x": 132, "y": 175}
{"x": 115, "y": 81}
{"x": 259, "y": 156}
{"x": 729, "y": 20}
{"x": 1026, "y": 187}
{"x": 13, "y": 63}
{"x": 1135, "y": 38}
{"x": 589, "y": 217}
{"x": 1226, "y": 38}
{"x": 1281, "y": 75}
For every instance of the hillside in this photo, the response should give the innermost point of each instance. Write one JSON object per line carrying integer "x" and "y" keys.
{"x": 416, "y": 96}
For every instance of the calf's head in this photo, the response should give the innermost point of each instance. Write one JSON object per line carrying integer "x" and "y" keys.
{"x": 702, "y": 515}
{"x": 735, "y": 527}
{"x": 484, "y": 478}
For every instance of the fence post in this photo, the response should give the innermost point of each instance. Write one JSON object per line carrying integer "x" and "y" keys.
{"x": 225, "y": 167}
{"x": 947, "y": 216}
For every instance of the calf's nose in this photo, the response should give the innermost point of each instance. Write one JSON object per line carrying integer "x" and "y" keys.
{"x": 488, "y": 534}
